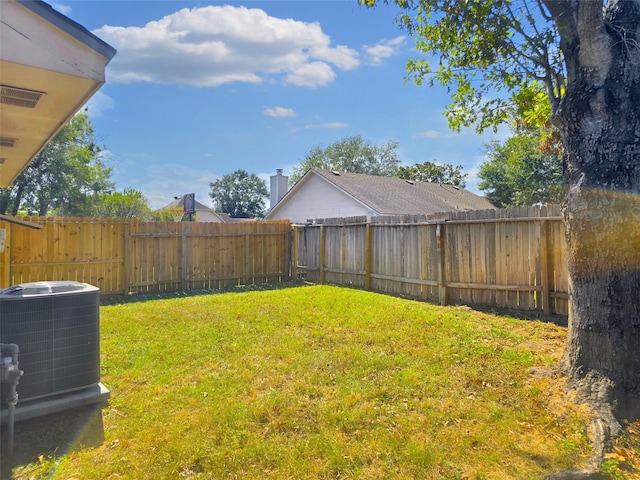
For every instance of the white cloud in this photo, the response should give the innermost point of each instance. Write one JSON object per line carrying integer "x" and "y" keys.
{"x": 279, "y": 112}
{"x": 316, "y": 74}
{"x": 327, "y": 125}
{"x": 376, "y": 54}
{"x": 214, "y": 45}
{"x": 99, "y": 103}
{"x": 437, "y": 134}
{"x": 161, "y": 183}
{"x": 341, "y": 56}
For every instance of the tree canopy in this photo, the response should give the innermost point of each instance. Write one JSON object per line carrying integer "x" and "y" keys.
{"x": 240, "y": 195}
{"x": 351, "y": 154}
{"x": 434, "y": 172}
{"x": 130, "y": 203}
{"x": 492, "y": 56}
{"x": 519, "y": 172}
{"x": 66, "y": 178}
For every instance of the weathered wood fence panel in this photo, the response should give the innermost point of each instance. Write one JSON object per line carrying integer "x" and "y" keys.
{"x": 129, "y": 256}
{"x": 508, "y": 258}
{"x": 344, "y": 252}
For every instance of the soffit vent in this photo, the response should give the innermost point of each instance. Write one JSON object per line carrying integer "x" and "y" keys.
{"x": 7, "y": 142}
{"x": 19, "y": 97}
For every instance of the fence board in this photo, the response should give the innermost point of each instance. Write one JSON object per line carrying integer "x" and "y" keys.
{"x": 509, "y": 258}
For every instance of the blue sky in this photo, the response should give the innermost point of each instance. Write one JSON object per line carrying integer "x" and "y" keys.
{"x": 198, "y": 90}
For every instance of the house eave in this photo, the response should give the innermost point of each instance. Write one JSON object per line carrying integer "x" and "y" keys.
{"x": 44, "y": 53}
{"x": 80, "y": 33}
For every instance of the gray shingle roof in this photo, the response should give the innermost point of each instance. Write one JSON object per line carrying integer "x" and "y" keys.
{"x": 179, "y": 203}
{"x": 395, "y": 196}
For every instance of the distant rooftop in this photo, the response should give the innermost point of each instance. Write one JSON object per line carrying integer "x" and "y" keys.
{"x": 393, "y": 196}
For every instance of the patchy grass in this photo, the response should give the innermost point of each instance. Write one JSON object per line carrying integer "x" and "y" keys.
{"x": 624, "y": 461}
{"x": 317, "y": 382}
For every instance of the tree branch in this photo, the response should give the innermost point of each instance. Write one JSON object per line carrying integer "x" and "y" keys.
{"x": 563, "y": 15}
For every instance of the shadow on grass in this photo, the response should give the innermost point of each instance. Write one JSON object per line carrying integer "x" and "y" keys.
{"x": 559, "y": 320}
{"x": 51, "y": 436}
{"x": 144, "y": 297}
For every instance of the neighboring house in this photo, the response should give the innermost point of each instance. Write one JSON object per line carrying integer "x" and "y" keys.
{"x": 203, "y": 213}
{"x": 228, "y": 219}
{"x": 329, "y": 194}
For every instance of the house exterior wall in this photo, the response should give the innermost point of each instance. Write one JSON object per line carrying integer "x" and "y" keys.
{"x": 316, "y": 198}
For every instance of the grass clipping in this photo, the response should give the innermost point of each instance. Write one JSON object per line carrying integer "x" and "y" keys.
{"x": 324, "y": 382}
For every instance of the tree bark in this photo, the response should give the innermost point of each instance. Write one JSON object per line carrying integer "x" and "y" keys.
{"x": 599, "y": 120}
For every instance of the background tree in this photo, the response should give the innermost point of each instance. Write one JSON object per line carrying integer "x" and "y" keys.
{"x": 164, "y": 215}
{"x": 240, "y": 195}
{"x": 435, "y": 173}
{"x": 66, "y": 178}
{"x": 351, "y": 154}
{"x": 129, "y": 203}
{"x": 517, "y": 172}
{"x": 586, "y": 56}
{"x": 6, "y": 200}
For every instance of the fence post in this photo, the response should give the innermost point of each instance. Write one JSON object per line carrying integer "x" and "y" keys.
{"x": 129, "y": 256}
{"x": 368, "y": 254}
{"x": 292, "y": 251}
{"x": 424, "y": 264}
{"x": 442, "y": 286}
{"x": 183, "y": 261}
{"x": 5, "y": 263}
{"x": 321, "y": 254}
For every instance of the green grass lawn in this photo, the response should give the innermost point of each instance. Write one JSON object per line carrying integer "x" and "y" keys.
{"x": 318, "y": 382}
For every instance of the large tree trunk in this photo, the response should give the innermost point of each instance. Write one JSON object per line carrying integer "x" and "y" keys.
{"x": 17, "y": 198}
{"x": 600, "y": 124}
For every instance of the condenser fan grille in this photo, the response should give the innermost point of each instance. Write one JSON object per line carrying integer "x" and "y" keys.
{"x": 58, "y": 336}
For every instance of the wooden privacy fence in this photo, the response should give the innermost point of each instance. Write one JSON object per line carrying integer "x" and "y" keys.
{"x": 511, "y": 258}
{"x": 123, "y": 256}
{"x": 508, "y": 258}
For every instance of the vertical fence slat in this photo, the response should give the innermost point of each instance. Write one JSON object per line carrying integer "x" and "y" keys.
{"x": 442, "y": 262}
{"x": 545, "y": 268}
{"x": 321, "y": 256}
{"x": 368, "y": 253}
